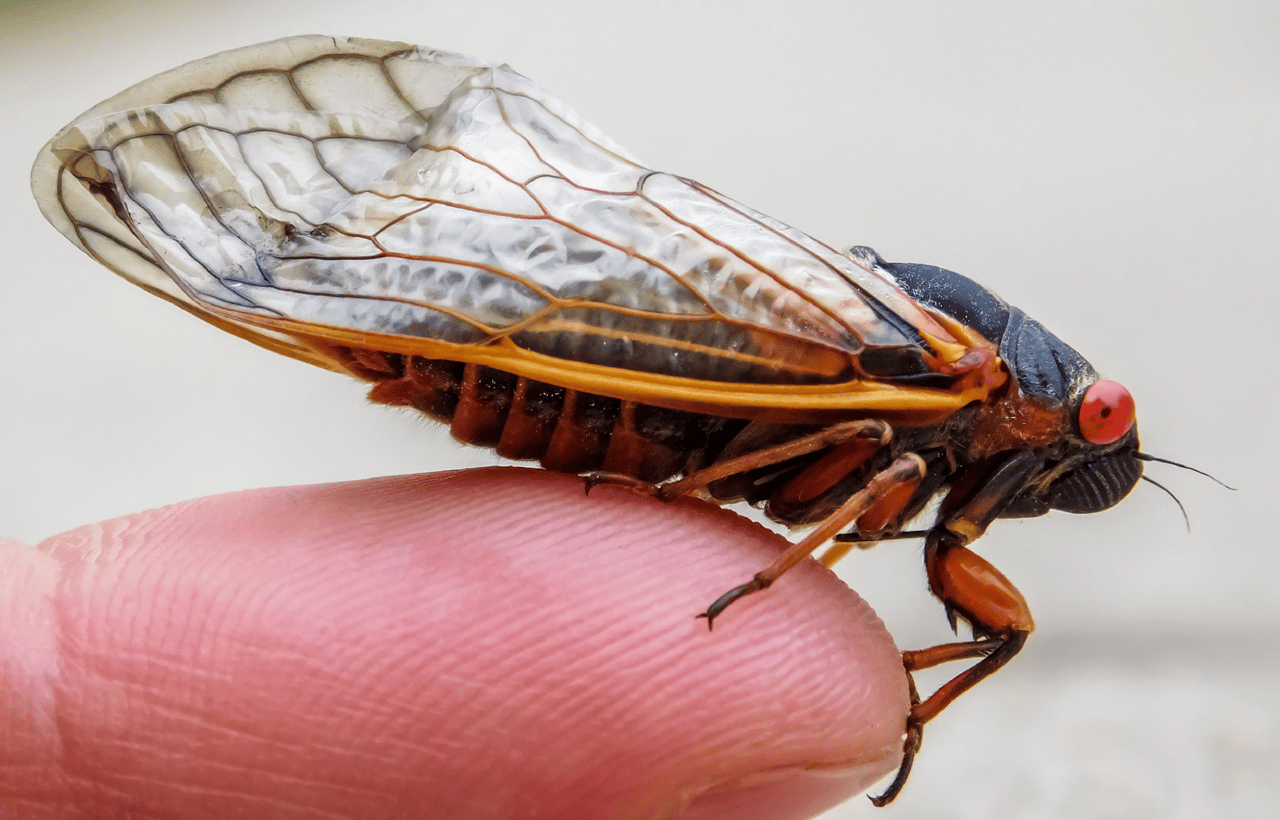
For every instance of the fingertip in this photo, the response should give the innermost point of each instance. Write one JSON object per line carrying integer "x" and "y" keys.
{"x": 443, "y": 636}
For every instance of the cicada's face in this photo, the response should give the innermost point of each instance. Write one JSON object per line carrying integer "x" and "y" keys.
{"x": 1104, "y": 467}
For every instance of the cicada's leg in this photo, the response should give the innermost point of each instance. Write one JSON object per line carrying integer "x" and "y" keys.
{"x": 973, "y": 589}
{"x": 910, "y": 748}
{"x": 907, "y": 470}
{"x": 833, "y": 436}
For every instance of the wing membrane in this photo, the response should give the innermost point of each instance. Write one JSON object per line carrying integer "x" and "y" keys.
{"x": 418, "y": 201}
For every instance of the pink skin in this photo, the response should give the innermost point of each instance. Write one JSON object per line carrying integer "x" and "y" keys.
{"x": 484, "y": 644}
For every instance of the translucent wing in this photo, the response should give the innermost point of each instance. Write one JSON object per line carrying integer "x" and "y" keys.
{"x": 386, "y": 196}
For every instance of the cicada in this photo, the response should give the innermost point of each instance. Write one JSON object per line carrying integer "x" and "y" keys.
{"x": 443, "y": 228}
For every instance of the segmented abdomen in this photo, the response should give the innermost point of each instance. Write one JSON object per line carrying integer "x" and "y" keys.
{"x": 522, "y": 419}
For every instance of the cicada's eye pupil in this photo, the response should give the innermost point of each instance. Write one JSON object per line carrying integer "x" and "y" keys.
{"x": 1107, "y": 412}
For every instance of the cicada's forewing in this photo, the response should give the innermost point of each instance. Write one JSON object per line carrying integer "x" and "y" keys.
{"x": 370, "y": 194}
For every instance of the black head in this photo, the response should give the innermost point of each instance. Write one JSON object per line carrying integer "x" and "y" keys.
{"x": 1096, "y": 464}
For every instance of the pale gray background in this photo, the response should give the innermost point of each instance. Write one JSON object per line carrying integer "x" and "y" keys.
{"x": 1111, "y": 167}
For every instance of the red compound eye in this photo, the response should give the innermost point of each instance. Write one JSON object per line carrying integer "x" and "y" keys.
{"x": 1106, "y": 413}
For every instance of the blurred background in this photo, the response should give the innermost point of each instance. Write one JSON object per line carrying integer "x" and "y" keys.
{"x": 1111, "y": 168}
